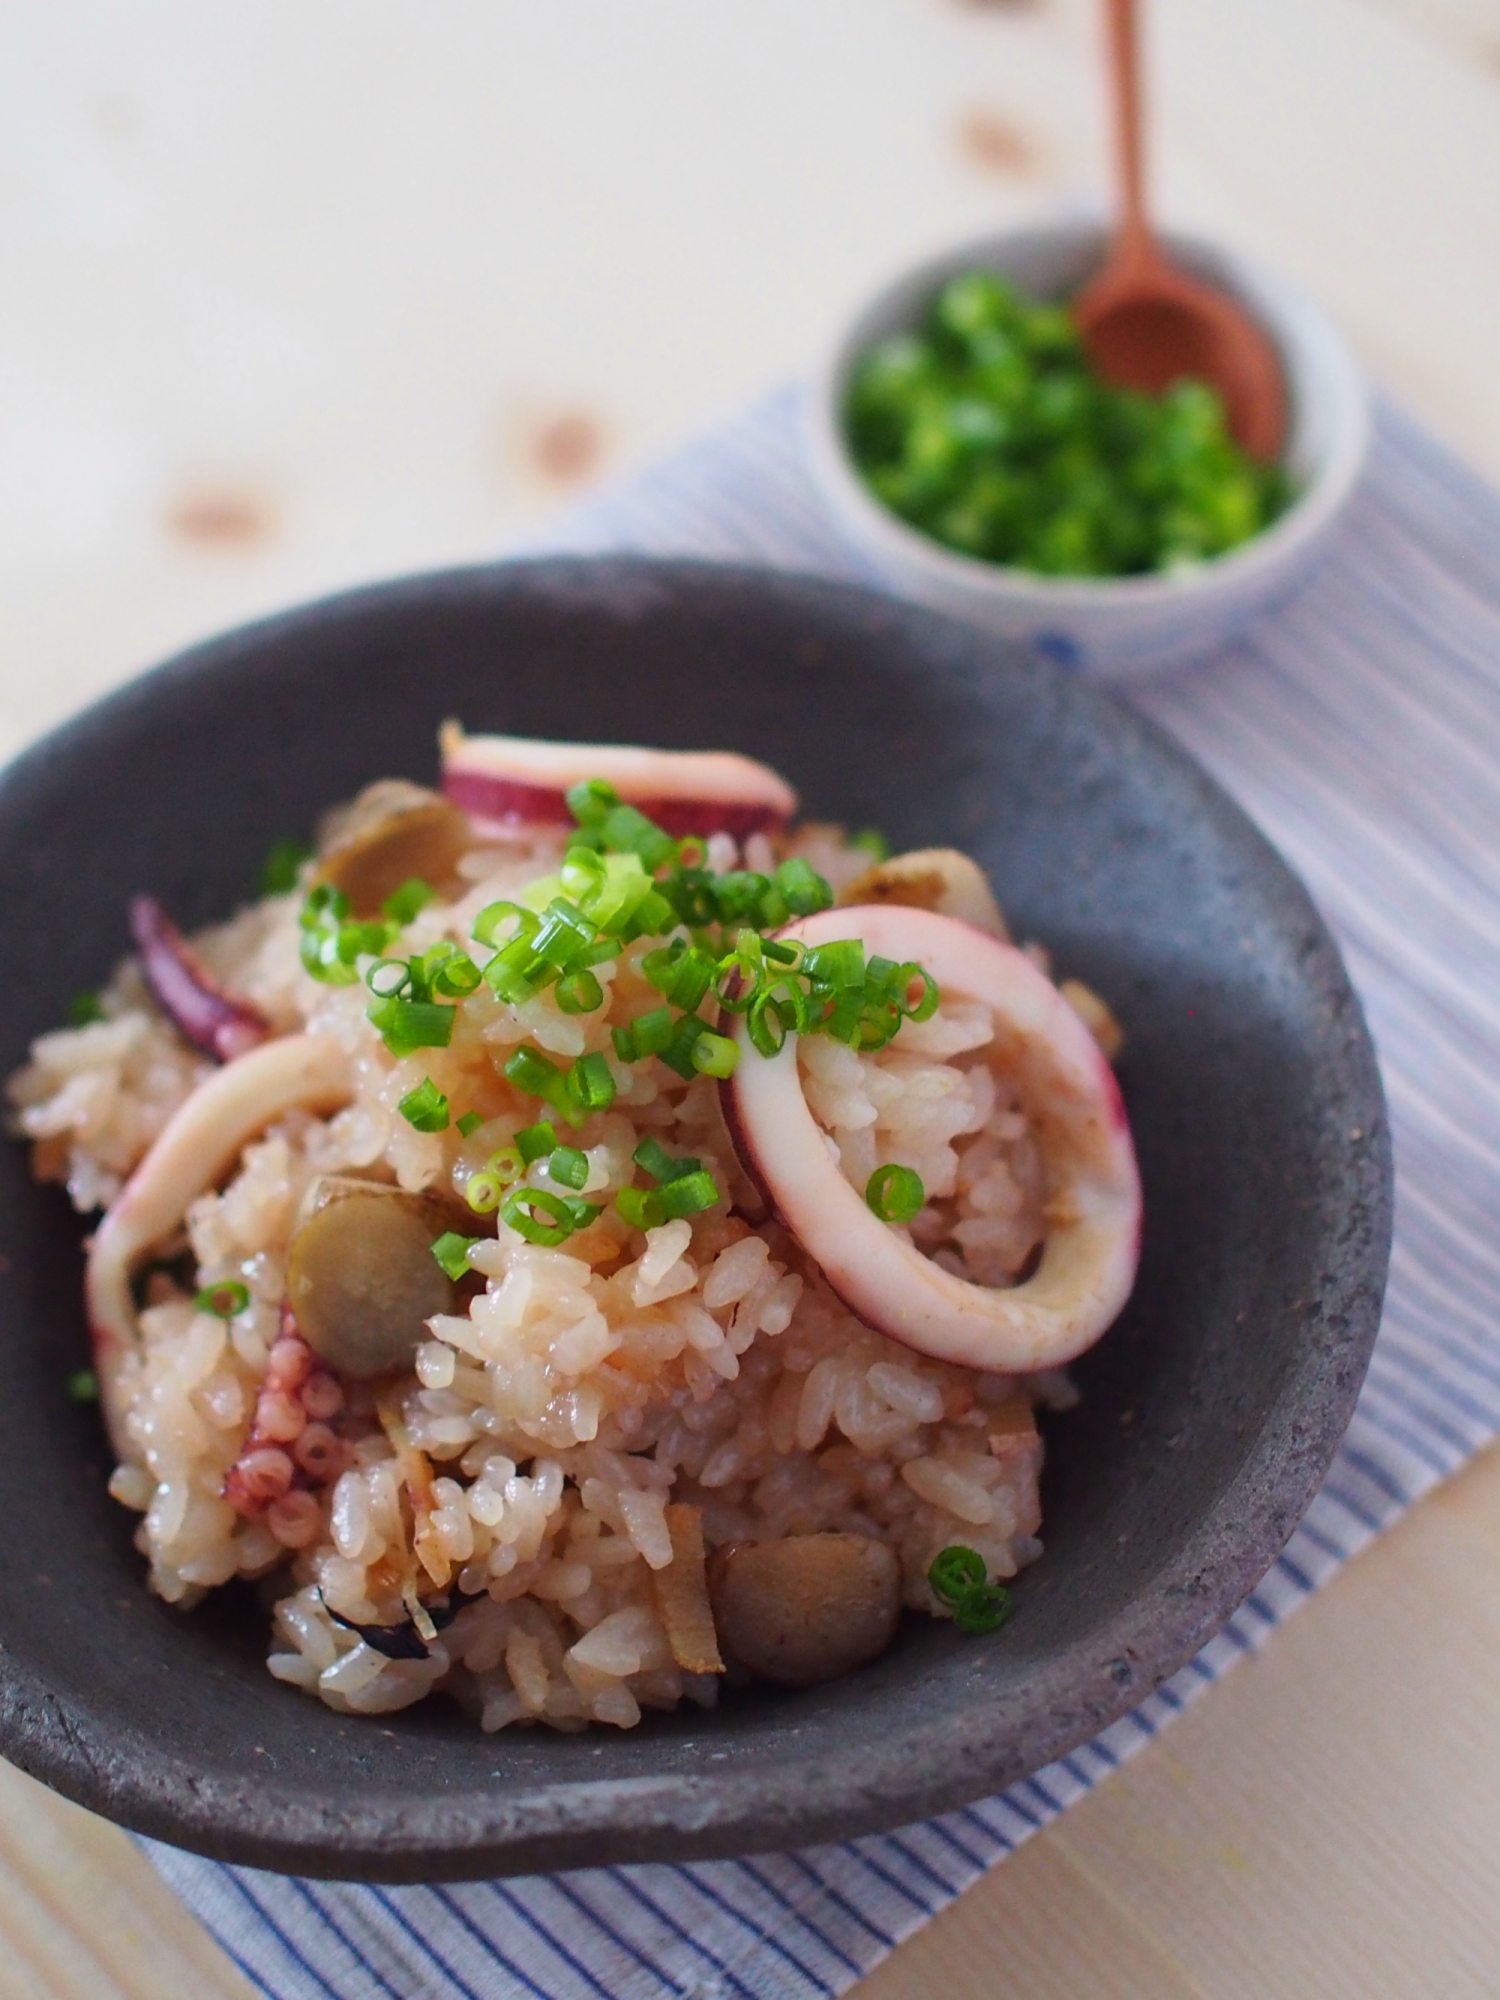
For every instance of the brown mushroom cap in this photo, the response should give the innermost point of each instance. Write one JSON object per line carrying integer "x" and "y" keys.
{"x": 361, "y": 1276}
{"x": 932, "y": 878}
{"x": 390, "y": 833}
{"x": 807, "y": 1608}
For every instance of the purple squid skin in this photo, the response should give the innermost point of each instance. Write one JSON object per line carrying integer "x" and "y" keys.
{"x": 217, "y": 1022}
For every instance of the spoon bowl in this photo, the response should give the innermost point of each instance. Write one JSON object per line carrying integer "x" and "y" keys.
{"x": 1147, "y": 324}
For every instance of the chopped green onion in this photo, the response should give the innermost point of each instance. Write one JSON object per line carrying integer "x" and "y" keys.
{"x": 591, "y": 800}
{"x": 870, "y": 840}
{"x": 630, "y": 832}
{"x": 331, "y": 942}
{"x": 681, "y": 973}
{"x": 579, "y": 993}
{"x": 715, "y": 1055}
{"x": 469, "y": 1124}
{"x": 409, "y": 1025}
{"x": 651, "y": 1032}
{"x": 83, "y": 1387}
{"x": 223, "y": 1301}
{"x": 388, "y": 978}
{"x": 482, "y": 1191}
{"x": 805, "y": 890}
{"x": 738, "y": 893}
{"x": 582, "y": 1212}
{"x": 450, "y": 971}
{"x": 678, "y": 1054}
{"x": 591, "y": 1081}
{"x": 426, "y": 1107}
{"x": 983, "y": 1609}
{"x": 692, "y": 852}
{"x": 406, "y": 902}
{"x": 536, "y": 1141}
{"x": 323, "y": 900}
{"x": 452, "y": 1252}
{"x": 766, "y": 1024}
{"x": 904, "y": 978}
{"x": 960, "y": 1582}
{"x": 583, "y": 874}
{"x": 564, "y": 933}
{"x": 840, "y": 964}
{"x": 83, "y": 1009}
{"x": 283, "y": 865}
{"x": 493, "y": 915}
{"x": 515, "y": 974}
{"x": 653, "y": 1158}
{"x": 319, "y": 950}
{"x": 505, "y": 1166}
{"x": 652, "y": 915}
{"x": 523, "y": 1209}
{"x": 613, "y": 902}
{"x": 362, "y": 940}
{"x": 954, "y": 1572}
{"x": 534, "y": 1074}
{"x": 844, "y": 1019}
{"x": 568, "y": 1167}
{"x": 784, "y": 951}
{"x": 624, "y": 1041}
{"x": 689, "y": 1195}
{"x": 894, "y": 1193}
{"x": 641, "y": 1208}
{"x": 774, "y": 909}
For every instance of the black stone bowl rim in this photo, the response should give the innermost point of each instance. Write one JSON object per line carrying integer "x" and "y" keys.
{"x": 1076, "y": 1692}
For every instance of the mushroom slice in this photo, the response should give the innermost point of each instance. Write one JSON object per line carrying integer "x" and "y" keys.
{"x": 517, "y": 779}
{"x": 390, "y": 833}
{"x": 1089, "y": 1255}
{"x": 361, "y": 1278}
{"x": 807, "y": 1608}
{"x": 202, "y": 1138}
{"x": 932, "y": 878}
{"x": 212, "y": 1019}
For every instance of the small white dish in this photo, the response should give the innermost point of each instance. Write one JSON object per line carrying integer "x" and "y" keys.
{"x": 1115, "y": 626}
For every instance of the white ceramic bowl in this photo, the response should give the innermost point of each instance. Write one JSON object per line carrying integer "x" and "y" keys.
{"x": 1124, "y": 625}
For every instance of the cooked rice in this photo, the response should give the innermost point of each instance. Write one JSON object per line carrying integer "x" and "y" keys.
{"x": 545, "y": 1430}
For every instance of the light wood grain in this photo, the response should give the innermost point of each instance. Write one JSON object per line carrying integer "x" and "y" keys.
{"x": 1323, "y": 1824}
{"x": 84, "y": 1916}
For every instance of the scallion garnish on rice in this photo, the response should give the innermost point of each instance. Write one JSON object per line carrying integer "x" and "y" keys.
{"x": 536, "y": 1141}
{"x": 408, "y": 901}
{"x": 568, "y": 1167}
{"x": 894, "y": 1193}
{"x": 960, "y": 1582}
{"x": 452, "y": 1251}
{"x": 543, "y": 1218}
{"x": 426, "y": 1107}
{"x": 223, "y": 1301}
{"x": 282, "y": 866}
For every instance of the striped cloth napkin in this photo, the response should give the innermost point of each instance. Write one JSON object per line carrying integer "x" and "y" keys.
{"x": 1360, "y": 725}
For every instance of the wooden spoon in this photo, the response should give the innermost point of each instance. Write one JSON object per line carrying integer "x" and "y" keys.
{"x": 1144, "y": 322}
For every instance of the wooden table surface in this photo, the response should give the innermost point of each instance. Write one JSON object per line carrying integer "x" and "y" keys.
{"x": 299, "y": 294}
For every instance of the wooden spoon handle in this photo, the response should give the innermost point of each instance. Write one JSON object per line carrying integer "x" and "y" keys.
{"x": 1125, "y": 79}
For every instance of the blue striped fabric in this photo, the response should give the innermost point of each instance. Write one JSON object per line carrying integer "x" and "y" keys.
{"x": 1361, "y": 726}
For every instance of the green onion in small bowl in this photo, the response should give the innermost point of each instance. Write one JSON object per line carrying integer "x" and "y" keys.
{"x": 974, "y": 459}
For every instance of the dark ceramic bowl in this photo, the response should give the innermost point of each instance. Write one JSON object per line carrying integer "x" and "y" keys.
{"x": 1208, "y": 1416}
